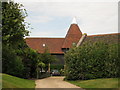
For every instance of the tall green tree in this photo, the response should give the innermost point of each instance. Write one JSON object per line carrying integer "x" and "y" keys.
{"x": 18, "y": 59}
{"x": 13, "y": 23}
{"x": 13, "y": 32}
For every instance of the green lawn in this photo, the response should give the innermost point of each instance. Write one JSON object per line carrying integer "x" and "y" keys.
{"x": 97, "y": 83}
{"x": 9, "y": 81}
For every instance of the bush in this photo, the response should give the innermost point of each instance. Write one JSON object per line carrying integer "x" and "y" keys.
{"x": 11, "y": 64}
{"x": 97, "y": 60}
{"x": 44, "y": 75}
{"x": 56, "y": 66}
{"x": 62, "y": 72}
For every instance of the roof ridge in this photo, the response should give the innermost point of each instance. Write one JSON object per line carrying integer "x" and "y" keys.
{"x": 103, "y": 34}
{"x": 42, "y": 38}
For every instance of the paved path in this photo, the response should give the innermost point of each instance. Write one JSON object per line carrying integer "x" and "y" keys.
{"x": 54, "y": 82}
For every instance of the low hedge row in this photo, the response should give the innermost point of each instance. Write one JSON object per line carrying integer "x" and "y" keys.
{"x": 44, "y": 75}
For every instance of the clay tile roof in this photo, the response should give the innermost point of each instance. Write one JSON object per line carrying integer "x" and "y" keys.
{"x": 109, "y": 38}
{"x": 73, "y": 36}
{"x": 104, "y": 34}
{"x": 53, "y": 44}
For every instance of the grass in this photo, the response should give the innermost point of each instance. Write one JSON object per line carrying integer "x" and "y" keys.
{"x": 9, "y": 81}
{"x": 97, "y": 83}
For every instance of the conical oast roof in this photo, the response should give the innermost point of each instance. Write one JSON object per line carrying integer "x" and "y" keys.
{"x": 73, "y": 36}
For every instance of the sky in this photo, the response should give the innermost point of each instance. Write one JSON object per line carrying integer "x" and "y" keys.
{"x": 52, "y": 18}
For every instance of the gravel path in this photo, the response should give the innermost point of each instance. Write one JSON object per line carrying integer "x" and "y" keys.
{"x": 54, "y": 82}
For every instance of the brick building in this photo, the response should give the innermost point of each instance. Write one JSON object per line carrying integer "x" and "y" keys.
{"x": 58, "y": 46}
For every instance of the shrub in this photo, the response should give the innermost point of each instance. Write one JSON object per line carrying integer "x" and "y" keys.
{"x": 56, "y": 66}
{"x": 11, "y": 64}
{"x": 62, "y": 72}
{"x": 96, "y": 60}
{"x": 44, "y": 75}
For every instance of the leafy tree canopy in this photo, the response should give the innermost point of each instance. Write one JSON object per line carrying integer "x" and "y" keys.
{"x": 13, "y": 23}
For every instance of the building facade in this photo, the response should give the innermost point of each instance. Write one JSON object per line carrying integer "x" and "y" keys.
{"x": 58, "y": 46}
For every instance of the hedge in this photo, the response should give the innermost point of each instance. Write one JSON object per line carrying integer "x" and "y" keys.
{"x": 92, "y": 60}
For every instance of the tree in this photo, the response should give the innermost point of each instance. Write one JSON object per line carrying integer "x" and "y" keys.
{"x": 20, "y": 56}
{"x": 47, "y": 58}
{"x": 13, "y": 31}
{"x": 32, "y": 62}
{"x": 40, "y": 65}
{"x": 13, "y": 23}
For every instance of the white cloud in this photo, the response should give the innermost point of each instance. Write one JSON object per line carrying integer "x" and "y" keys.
{"x": 49, "y": 33}
{"x": 38, "y": 19}
{"x": 67, "y": 0}
{"x": 93, "y": 17}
